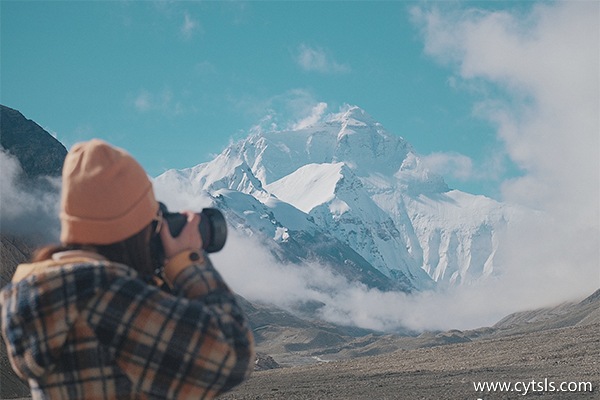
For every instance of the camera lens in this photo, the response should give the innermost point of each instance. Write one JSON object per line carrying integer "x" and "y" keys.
{"x": 212, "y": 227}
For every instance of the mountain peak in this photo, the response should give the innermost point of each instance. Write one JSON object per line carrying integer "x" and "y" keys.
{"x": 352, "y": 116}
{"x": 350, "y": 136}
{"x": 38, "y": 152}
{"x": 345, "y": 176}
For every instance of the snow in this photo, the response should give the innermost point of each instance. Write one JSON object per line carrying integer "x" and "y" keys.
{"x": 338, "y": 207}
{"x": 288, "y": 215}
{"x": 309, "y": 186}
{"x": 345, "y": 175}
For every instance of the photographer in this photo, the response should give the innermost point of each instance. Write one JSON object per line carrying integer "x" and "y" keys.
{"x": 90, "y": 319}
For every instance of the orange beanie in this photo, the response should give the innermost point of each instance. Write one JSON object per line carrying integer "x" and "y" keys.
{"x": 106, "y": 195}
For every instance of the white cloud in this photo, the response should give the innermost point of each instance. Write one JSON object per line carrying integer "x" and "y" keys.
{"x": 252, "y": 272}
{"x": 205, "y": 68}
{"x": 189, "y": 25}
{"x": 544, "y": 63}
{"x": 163, "y": 101}
{"x": 463, "y": 168}
{"x": 143, "y": 101}
{"x": 27, "y": 210}
{"x": 452, "y": 164}
{"x": 288, "y": 110}
{"x": 318, "y": 60}
{"x": 315, "y": 116}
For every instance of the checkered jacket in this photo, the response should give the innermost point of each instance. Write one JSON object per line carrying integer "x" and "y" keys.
{"x": 92, "y": 329}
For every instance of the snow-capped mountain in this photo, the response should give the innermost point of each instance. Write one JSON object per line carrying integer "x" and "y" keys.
{"x": 346, "y": 191}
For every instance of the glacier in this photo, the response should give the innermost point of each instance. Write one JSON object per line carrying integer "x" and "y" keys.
{"x": 346, "y": 192}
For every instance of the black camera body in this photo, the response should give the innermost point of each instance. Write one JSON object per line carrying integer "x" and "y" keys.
{"x": 212, "y": 227}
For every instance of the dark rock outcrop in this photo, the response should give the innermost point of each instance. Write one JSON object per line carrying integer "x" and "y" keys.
{"x": 39, "y": 153}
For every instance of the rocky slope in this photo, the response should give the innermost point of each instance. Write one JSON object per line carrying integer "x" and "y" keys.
{"x": 13, "y": 251}
{"x": 549, "y": 346}
{"x": 296, "y": 344}
{"x": 39, "y": 153}
{"x": 547, "y": 358}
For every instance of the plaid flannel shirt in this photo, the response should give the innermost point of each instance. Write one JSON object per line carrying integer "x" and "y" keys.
{"x": 92, "y": 329}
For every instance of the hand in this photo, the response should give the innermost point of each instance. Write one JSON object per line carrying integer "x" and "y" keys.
{"x": 188, "y": 239}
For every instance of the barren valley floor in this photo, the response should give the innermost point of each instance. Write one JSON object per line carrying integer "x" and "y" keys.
{"x": 539, "y": 360}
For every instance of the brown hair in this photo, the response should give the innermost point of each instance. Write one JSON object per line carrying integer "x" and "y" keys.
{"x": 133, "y": 251}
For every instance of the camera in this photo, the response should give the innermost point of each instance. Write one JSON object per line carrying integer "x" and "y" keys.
{"x": 212, "y": 227}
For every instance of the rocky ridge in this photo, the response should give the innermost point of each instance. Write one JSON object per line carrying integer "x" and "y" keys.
{"x": 38, "y": 152}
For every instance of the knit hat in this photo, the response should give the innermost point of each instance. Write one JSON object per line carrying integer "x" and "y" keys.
{"x": 106, "y": 195}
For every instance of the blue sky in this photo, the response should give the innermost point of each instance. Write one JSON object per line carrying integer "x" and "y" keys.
{"x": 175, "y": 82}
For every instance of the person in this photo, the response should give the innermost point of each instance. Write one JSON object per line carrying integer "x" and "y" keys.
{"x": 88, "y": 319}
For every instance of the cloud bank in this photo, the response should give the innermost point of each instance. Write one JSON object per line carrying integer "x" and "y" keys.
{"x": 252, "y": 272}
{"x": 28, "y": 208}
{"x": 543, "y": 66}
